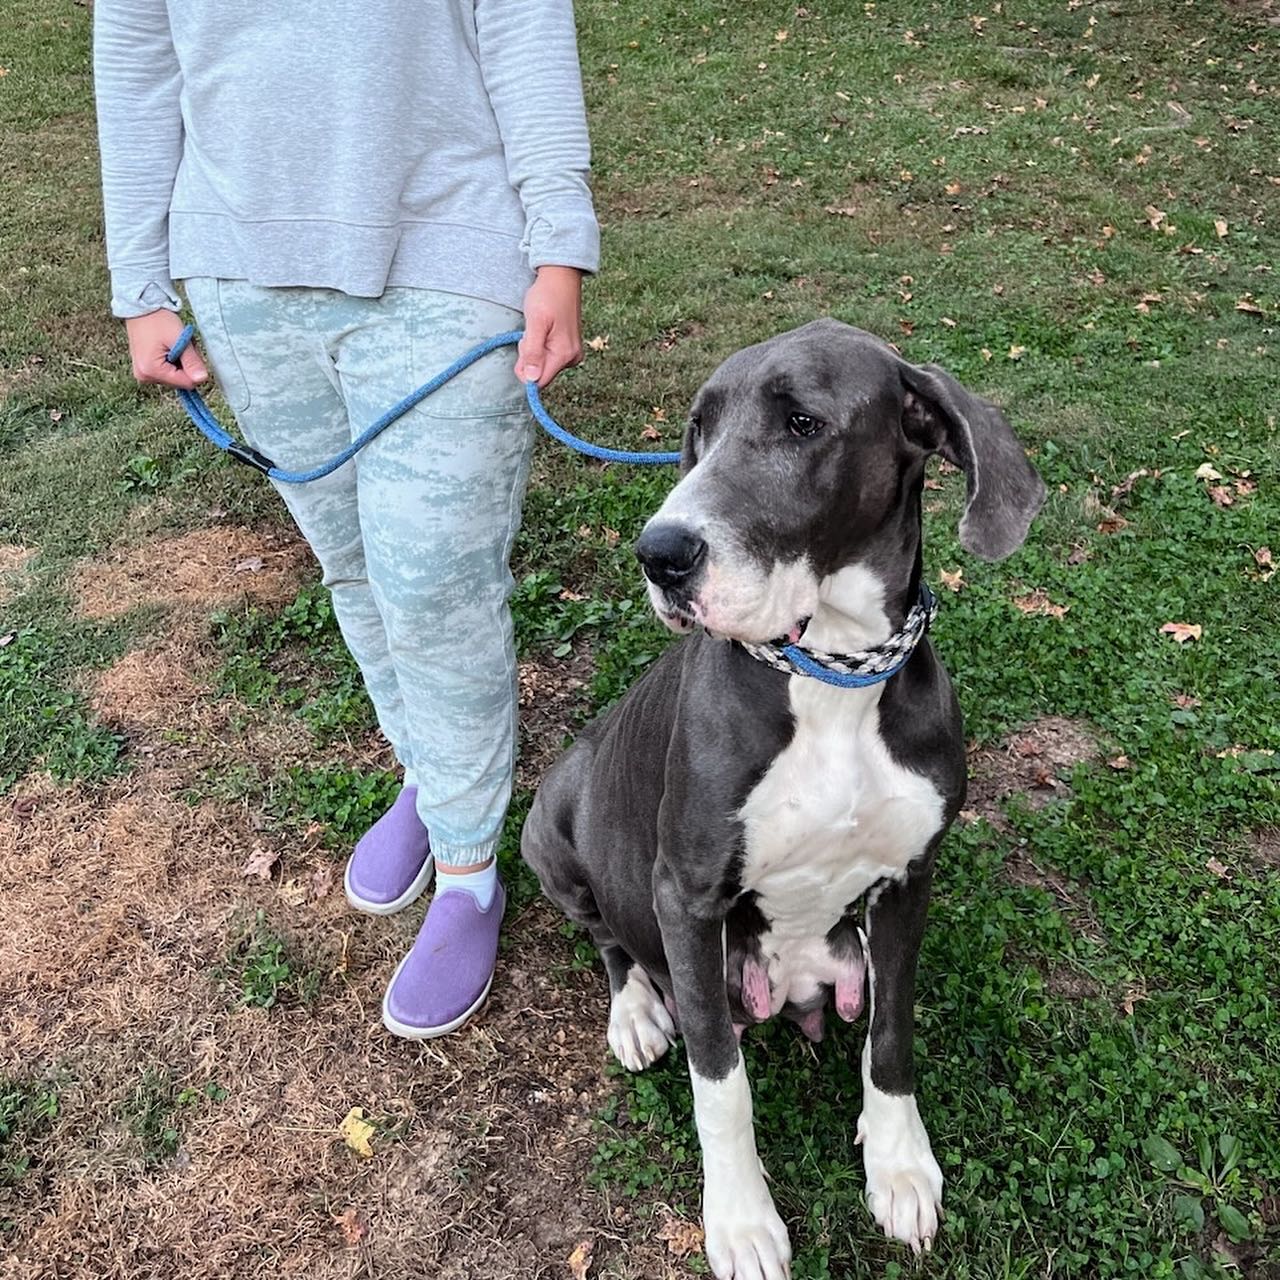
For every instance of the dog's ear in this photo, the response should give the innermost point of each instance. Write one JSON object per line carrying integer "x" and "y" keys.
{"x": 1003, "y": 490}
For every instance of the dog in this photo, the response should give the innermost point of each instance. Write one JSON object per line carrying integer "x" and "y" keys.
{"x": 742, "y": 840}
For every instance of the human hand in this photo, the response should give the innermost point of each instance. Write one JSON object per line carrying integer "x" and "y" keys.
{"x": 150, "y": 339}
{"x": 552, "y": 325}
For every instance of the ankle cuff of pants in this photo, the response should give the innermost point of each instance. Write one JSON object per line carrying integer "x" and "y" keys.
{"x": 462, "y": 855}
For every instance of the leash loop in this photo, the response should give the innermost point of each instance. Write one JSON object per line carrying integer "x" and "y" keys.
{"x": 200, "y": 414}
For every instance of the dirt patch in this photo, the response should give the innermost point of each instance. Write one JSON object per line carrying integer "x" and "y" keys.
{"x": 13, "y": 560}
{"x": 1030, "y": 762}
{"x": 130, "y": 900}
{"x": 1021, "y": 869}
{"x": 554, "y": 697}
{"x": 199, "y": 569}
{"x": 1264, "y": 848}
{"x": 1071, "y": 984}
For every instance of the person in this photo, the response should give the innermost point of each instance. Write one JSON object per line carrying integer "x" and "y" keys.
{"x": 352, "y": 194}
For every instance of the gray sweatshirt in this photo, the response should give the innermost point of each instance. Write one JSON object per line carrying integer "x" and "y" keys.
{"x": 346, "y": 144}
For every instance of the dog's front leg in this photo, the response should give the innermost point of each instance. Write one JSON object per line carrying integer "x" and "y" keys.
{"x": 745, "y": 1237}
{"x": 904, "y": 1183}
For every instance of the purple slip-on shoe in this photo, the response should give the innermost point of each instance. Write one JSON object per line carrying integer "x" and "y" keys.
{"x": 391, "y": 864}
{"x": 447, "y": 974}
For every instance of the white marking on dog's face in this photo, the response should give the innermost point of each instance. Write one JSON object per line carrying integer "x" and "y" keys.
{"x": 904, "y": 1183}
{"x": 640, "y": 1028}
{"x": 744, "y": 1234}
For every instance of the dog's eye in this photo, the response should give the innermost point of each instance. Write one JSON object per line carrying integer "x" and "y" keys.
{"x": 803, "y": 424}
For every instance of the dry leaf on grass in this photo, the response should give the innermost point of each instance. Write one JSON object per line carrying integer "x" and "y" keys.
{"x": 1038, "y": 601}
{"x": 259, "y": 863}
{"x": 952, "y": 581}
{"x": 1182, "y": 631}
{"x": 1119, "y": 762}
{"x": 1220, "y": 495}
{"x": 353, "y": 1225}
{"x": 580, "y": 1259}
{"x": 1248, "y": 306}
{"x": 1206, "y": 471}
{"x": 1112, "y": 524}
{"x": 1217, "y": 868}
{"x": 599, "y": 343}
{"x": 681, "y": 1236}
{"x": 356, "y": 1131}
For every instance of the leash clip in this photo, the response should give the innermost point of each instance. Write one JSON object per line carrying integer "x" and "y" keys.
{"x": 251, "y": 457}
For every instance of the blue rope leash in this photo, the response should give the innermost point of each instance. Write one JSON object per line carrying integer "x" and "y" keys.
{"x": 199, "y": 413}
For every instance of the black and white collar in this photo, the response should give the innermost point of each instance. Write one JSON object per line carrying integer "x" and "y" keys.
{"x": 853, "y": 670}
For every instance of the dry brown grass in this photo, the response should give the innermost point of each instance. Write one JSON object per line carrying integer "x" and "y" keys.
{"x": 13, "y": 560}
{"x": 125, "y": 903}
{"x": 196, "y": 570}
{"x": 1030, "y": 762}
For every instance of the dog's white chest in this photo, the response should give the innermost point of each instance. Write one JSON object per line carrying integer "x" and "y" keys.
{"x": 833, "y": 815}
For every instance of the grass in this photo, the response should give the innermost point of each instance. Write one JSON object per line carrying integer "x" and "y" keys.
{"x": 1071, "y": 207}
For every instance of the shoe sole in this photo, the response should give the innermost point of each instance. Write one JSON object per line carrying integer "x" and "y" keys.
{"x": 411, "y": 894}
{"x": 406, "y": 1032}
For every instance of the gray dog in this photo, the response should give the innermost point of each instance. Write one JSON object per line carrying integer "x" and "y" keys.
{"x": 794, "y": 764}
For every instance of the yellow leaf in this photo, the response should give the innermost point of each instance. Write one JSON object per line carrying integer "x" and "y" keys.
{"x": 580, "y": 1259}
{"x": 952, "y": 581}
{"x": 1220, "y": 226}
{"x": 599, "y": 343}
{"x": 356, "y": 1131}
{"x": 1016, "y": 352}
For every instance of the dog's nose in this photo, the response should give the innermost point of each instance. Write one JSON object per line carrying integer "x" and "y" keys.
{"x": 669, "y": 554}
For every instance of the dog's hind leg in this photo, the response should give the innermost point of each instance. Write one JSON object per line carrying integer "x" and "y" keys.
{"x": 640, "y": 1027}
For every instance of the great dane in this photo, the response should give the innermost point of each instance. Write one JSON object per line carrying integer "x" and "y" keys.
{"x": 742, "y": 840}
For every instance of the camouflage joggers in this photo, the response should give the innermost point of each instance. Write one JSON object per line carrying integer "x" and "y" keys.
{"x": 414, "y": 535}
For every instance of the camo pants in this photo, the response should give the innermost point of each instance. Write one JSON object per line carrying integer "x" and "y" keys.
{"x": 413, "y": 535}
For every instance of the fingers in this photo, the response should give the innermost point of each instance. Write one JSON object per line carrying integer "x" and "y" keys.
{"x": 533, "y": 347}
{"x": 151, "y": 337}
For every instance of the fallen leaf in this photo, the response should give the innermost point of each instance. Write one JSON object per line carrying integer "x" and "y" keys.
{"x": 252, "y": 565}
{"x": 931, "y": 483}
{"x": 1248, "y": 306}
{"x": 1186, "y": 701}
{"x": 1037, "y": 602}
{"x": 321, "y": 881}
{"x": 293, "y": 893}
{"x": 948, "y": 322}
{"x": 1112, "y": 524}
{"x": 8, "y": 638}
{"x": 353, "y": 1225}
{"x": 952, "y": 581}
{"x": 1119, "y": 762}
{"x": 843, "y": 210}
{"x": 1133, "y": 994}
{"x": 1016, "y": 352}
{"x": 356, "y": 1131}
{"x": 1125, "y": 487}
{"x": 1078, "y": 555}
{"x": 1220, "y": 495}
{"x": 1205, "y": 471}
{"x": 681, "y": 1236}
{"x": 1262, "y": 558}
{"x": 1245, "y": 486}
{"x": 580, "y": 1259}
{"x": 599, "y": 343}
{"x": 651, "y": 432}
{"x": 258, "y": 864}
{"x": 1220, "y": 226}
{"x": 1219, "y": 869}
{"x": 1155, "y": 217}
{"x": 1182, "y": 631}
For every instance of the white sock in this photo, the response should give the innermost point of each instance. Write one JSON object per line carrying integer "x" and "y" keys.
{"x": 481, "y": 885}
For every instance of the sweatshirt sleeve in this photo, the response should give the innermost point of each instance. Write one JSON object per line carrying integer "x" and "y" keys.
{"x": 137, "y": 84}
{"x": 529, "y": 60}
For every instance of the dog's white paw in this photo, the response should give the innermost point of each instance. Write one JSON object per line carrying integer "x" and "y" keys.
{"x": 904, "y": 1183}
{"x": 640, "y": 1028}
{"x": 745, "y": 1237}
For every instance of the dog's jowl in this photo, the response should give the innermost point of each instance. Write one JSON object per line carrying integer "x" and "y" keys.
{"x": 752, "y": 830}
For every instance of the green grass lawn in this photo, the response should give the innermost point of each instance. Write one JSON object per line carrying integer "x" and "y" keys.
{"x": 1073, "y": 207}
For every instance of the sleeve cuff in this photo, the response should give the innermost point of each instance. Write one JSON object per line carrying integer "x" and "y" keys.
{"x": 563, "y": 235}
{"x": 138, "y": 294}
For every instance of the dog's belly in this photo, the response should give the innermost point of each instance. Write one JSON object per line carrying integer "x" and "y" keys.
{"x": 833, "y": 816}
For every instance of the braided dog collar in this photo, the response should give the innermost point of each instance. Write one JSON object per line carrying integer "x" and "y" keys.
{"x": 853, "y": 670}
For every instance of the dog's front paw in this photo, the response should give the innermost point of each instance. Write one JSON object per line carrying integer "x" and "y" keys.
{"x": 640, "y": 1028}
{"x": 745, "y": 1237}
{"x": 904, "y": 1183}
